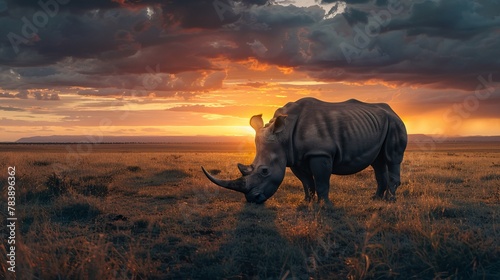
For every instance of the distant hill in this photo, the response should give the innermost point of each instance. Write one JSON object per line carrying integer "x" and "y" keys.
{"x": 420, "y": 138}
{"x": 413, "y": 138}
{"x": 131, "y": 139}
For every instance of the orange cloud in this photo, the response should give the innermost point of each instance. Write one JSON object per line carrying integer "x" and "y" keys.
{"x": 254, "y": 64}
{"x": 372, "y": 82}
{"x": 285, "y": 70}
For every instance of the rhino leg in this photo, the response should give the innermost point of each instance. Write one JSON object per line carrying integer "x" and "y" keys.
{"x": 321, "y": 169}
{"x": 382, "y": 177}
{"x": 394, "y": 180}
{"x": 307, "y": 181}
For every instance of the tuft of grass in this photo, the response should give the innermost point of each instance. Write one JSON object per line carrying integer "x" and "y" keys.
{"x": 490, "y": 177}
{"x": 41, "y": 163}
{"x": 142, "y": 223}
{"x": 173, "y": 174}
{"x": 74, "y": 209}
{"x": 106, "y": 178}
{"x": 56, "y": 185}
{"x": 97, "y": 190}
{"x": 134, "y": 168}
{"x": 215, "y": 171}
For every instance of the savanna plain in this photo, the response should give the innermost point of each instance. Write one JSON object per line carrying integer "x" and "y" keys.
{"x": 146, "y": 211}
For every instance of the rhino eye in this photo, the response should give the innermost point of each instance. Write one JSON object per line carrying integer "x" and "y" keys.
{"x": 264, "y": 171}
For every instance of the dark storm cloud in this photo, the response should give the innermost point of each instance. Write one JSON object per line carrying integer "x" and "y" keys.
{"x": 100, "y": 48}
{"x": 354, "y": 16}
{"x": 174, "y": 44}
{"x": 28, "y": 42}
{"x": 346, "y": 1}
{"x": 73, "y": 5}
{"x": 393, "y": 41}
{"x": 434, "y": 43}
{"x": 448, "y": 19}
{"x": 205, "y": 14}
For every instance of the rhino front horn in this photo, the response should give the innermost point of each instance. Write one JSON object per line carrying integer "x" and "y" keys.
{"x": 235, "y": 185}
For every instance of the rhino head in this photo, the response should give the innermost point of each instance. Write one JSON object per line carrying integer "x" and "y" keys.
{"x": 261, "y": 179}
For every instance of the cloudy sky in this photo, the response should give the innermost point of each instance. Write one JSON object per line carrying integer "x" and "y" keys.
{"x": 196, "y": 67}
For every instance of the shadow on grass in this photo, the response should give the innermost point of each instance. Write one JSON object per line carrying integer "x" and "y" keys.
{"x": 255, "y": 249}
{"x": 302, "y": 243}
{"x": 171, "y": 177}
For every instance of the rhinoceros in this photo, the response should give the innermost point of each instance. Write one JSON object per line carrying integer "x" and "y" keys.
{"x": 316, "y": 139}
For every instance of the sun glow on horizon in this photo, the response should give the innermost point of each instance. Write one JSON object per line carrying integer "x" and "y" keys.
{"x": 221, "y": 112}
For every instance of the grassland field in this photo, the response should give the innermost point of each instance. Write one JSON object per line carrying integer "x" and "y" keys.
{"x": 146, "y": 211}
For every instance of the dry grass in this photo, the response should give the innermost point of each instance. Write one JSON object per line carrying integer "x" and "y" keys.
{"x": 152, "y": 215}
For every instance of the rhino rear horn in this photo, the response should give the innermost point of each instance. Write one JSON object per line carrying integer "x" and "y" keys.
{"x": 238, "y": 185}
{"x": 245, "y": 169}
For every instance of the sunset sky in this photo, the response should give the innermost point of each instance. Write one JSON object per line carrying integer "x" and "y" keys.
{"x": 194, "y": 67}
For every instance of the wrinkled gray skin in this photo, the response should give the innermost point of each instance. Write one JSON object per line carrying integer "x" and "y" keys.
{"x": 316, "y": 139}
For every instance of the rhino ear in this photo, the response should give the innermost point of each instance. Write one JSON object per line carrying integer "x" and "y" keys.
{"x": 279, "y": 124}
{"x": 256, "y": 122}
